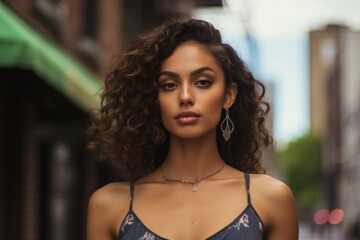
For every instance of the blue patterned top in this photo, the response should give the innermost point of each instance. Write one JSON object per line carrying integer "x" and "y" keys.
{"x": 247, "y": 225}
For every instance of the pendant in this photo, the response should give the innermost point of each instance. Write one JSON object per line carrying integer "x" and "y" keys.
{"x": 194, "y": 189}
{"x": 226, "y": 135}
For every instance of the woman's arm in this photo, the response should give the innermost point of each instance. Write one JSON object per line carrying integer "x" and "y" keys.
{"x": 276, "y": 206}
{"x": 284, "y": 220}
{"x": 106, "y": 209}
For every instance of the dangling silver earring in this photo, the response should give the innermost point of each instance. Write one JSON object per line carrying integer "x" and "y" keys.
{"x": 227, "y": 126}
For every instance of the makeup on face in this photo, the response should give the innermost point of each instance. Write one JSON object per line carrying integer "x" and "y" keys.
{"x": 191, "y": 91}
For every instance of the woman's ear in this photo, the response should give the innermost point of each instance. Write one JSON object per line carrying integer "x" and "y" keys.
{"x": 230, "y": 97}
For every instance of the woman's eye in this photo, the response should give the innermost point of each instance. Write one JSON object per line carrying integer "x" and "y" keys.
{"x": 168, "y": 86}
{"x": 203, "y": 83}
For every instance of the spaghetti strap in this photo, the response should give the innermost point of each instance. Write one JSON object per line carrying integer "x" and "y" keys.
{"x": 132, "y": 186}
{"x": 247, "y": 181}
{"x": 247, "y": 225}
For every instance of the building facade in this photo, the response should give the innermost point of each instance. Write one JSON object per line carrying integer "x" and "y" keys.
{"x": 335, "y": 115}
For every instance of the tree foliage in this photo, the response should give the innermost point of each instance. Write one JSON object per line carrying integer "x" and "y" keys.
{"x": 301, "y": 161}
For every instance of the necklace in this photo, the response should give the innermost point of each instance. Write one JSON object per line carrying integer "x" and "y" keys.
{"x": 186, "y": 181}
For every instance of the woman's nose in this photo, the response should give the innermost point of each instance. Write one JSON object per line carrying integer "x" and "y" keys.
{"x": 186, "y": 97}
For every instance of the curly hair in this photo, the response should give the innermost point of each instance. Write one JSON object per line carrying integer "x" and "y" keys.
{"x": 129, "y": 132}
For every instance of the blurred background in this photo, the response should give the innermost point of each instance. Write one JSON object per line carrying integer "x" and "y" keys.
{"x": 54, "y": 55}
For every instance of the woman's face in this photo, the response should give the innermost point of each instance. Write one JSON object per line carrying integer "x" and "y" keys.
{"x": 192, "y": 92}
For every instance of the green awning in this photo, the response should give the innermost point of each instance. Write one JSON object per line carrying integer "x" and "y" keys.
{"x": 22, "y": 47}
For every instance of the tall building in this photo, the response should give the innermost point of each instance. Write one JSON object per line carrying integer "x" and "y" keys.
{"x": 335, "y": 114}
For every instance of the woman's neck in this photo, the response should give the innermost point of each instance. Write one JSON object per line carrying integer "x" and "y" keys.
{"x": 191, "y": 158}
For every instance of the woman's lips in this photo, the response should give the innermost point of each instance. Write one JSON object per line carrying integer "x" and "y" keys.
{"x": 187, "y": 118}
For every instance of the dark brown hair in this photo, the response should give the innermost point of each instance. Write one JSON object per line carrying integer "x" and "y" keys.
{"x": 129, "y": 132}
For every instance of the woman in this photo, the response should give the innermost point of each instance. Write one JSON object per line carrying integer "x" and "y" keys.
{"x": 183, "y": 119}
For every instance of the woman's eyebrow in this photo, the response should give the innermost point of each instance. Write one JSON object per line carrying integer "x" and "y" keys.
{"x": 193, "y": 73}
{"x": 169, "y": 74}
{"x": 200, "y": 70}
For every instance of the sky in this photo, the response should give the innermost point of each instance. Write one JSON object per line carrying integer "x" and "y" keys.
{"x": 281, "y": 28}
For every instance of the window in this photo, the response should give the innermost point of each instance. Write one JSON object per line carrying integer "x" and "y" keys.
{"x": 88, "y": 45}
{"x": 55, "y": 14}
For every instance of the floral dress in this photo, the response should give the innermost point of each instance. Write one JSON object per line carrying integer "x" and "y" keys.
{"x": 247, "y": 225}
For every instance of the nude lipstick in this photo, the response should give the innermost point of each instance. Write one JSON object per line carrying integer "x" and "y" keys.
{"x": 187, "y": 118}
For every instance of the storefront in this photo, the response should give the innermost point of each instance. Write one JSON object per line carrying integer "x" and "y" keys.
{"x": 46, "y": 173}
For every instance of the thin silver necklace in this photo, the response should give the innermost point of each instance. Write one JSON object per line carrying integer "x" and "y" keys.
{"x": 186, "y": 181}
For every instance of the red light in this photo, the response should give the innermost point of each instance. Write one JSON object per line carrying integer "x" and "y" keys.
{"x": 336, "y": 216}
{"x": 321, "y": 216}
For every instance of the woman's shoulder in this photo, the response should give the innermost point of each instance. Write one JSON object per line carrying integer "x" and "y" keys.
{"x": 113, "y": 188}
{"x": 107, "y": 207}
{"x": 274, "y": 201}
{"x": 269, "y": 187}
{"x": 109, "y": 204}
{"x": 111, "y": 193}
{"x": 271, "y": 194}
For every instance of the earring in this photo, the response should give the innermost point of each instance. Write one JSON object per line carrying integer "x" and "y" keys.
{"x": 227, "y": 126}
